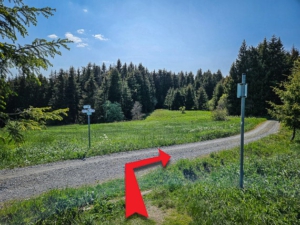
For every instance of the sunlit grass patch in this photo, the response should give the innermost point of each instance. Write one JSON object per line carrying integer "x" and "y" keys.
{"x": 161, "y": 128}
{"x": 200, "y": 191}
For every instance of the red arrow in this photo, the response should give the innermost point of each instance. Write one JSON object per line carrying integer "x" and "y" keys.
{"x": 133, "y": 197}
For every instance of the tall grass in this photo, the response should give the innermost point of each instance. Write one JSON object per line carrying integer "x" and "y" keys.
{"x": 200, "y": 191}
{"x": 161, "y": 128}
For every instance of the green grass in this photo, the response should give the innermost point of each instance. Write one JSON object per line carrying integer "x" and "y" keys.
{"x": 161, "y": 128}
{"x": 200, "y": 191}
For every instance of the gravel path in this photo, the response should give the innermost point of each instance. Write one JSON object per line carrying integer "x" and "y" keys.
{"x": 29, "y": 181}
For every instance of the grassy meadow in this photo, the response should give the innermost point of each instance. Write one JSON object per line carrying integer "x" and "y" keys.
{"x": 200, "y": 191}
{"x": 161, "y": 128}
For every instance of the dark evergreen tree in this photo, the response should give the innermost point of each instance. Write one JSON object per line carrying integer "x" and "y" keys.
{"x": 208, "y": 83}
{"x": 218, "y": 92}
{"x": 88, "y": 93}
{"x": 72, "y": 96}
{"x": 130, "y": 67}
{"x": 119, "y": 66}
{"x": 103, "y": 68}
{"x": 97, "y": 74}
{"x": 181, "y": 80}
{"x": 201, "y": 99}
{"x": 115, "y": 88}
{"x": 163, "y": 82}
{"x": 178, "y": 100}
{"x": 265, "y": 66}
{"x": 126, "y": 100}
{"x": 189, "y": 98}
{"x": 169, "y": 98}
{"x": 198, "y": 79}
{"x": 58, "y": 99}
{"x": 124, "y": 72}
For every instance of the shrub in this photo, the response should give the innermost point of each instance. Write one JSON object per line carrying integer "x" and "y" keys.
{"x": 182, "y": 109}
{"x": 219, "y": 114}
{"x": 113, "y": 111}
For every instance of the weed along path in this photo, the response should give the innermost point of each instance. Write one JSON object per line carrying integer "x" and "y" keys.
{"x": 26, "y": 182}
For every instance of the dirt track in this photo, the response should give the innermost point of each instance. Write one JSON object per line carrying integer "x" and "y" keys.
{"x": 29, "y": 181}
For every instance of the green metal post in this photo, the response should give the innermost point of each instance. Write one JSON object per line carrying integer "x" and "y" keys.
{"x": 89, "y": 131}
{"x": 243, "y": 98}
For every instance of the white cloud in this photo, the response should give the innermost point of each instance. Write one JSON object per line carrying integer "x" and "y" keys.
{"x": 80, "y": 31}
{"x": 52, "y": 36}
{"x": 100, "y": 37}
{"x": 82, "y": 45}
{"x": 85, "y": 10}
{"x": 73, "y": 38}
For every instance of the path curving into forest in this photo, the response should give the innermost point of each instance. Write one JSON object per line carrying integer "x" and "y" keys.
{"x": 20, "y": 183}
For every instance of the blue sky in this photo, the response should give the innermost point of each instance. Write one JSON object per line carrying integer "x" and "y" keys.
{"x": 175, "y": 35}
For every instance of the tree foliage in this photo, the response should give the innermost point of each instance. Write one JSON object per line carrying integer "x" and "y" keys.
{"x": 288, "y": 112}
{"x": 136, "y": 111}
{"x": 113, "y": 112}
{"x": 31, "y": 119}
{"x": 28, "y": 59}
{"x": 265, "y": 66}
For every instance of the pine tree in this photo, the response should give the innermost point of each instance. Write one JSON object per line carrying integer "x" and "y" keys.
{"x": 208, "y": 83}
{"x": 115, "y": 88}
{"x": 265, "y": 66}
{"x": 288, "y": 112}
{"x": 181, "y": 80}
{"x": 169, "y": 99}
{"x": 178, "y": 100}
{"x": 103, "y": 68}
{"x": 198, "y": 79}
{"x": 58, "y": 99}
{"x": 201, "y": 99}
{"x": 72, "y": 96}
{"x": 189, "y": 98}
{"x": 126, "y": 102}
{"x": 28, "y": 58}
{"x": 190, "y": 79}
{"x": 218, "y": 92}
{"x": 119, "y": 65}
{"x": 124, "y": 72}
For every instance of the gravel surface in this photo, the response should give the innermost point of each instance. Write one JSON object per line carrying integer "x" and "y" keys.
{"x": 25, "y": 182}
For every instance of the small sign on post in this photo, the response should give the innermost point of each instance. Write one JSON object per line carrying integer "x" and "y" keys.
{"x": 88, "y": 110}
{"x": 86, "y": 106}
{"x": 242, "y": 89}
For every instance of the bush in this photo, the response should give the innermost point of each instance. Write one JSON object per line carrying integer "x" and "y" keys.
{"x": 113, "y": 112}
{"x": 182, "y": 109}
{"x": 219, "y": 114}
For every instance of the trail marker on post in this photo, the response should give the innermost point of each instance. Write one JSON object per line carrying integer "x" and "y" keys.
{"x": 88, "y": 110}
{"x": 242, "y": 93}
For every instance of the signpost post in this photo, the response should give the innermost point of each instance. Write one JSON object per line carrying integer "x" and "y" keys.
{"x": 88, "y": 110}
{"x": 242, "y": 93}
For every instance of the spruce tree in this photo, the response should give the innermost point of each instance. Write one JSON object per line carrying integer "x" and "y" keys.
{"x": 201, "y": 99}
{"x": 115, "y": 88}
{"x": 189, "y": 98}
{"x": 72, "y": 96}
{"x": 288, "y": 112}
{"x": 126, "y": 100}
{"x": 178, "y": 100}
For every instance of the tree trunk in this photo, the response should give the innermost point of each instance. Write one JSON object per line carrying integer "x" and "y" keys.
{"x": 294, "y": 133}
